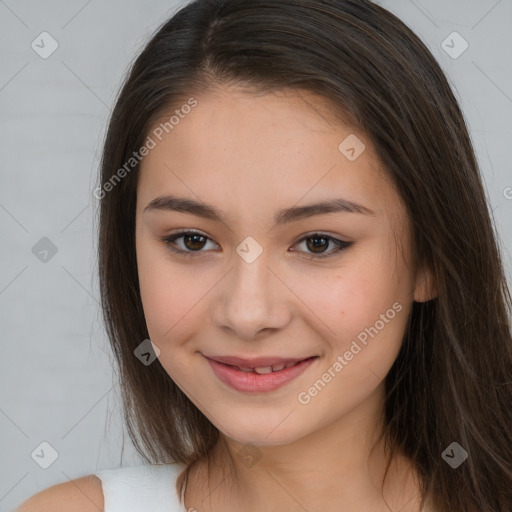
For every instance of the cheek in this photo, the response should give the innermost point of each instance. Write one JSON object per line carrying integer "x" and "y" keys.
{"x": 352, "y": 298}
{"x": 167, "y": 294}
{"x": 368, "y": 302}
{"x": 169, "y": 299}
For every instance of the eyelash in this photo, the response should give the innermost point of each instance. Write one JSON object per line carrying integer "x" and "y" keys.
{"x": 341, "y": 244}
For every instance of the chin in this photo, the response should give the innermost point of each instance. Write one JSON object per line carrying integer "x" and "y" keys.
{"x": 263, "y": 433}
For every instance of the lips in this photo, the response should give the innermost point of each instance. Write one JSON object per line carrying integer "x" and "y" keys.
{"x": 258, "y": 375}
{"x": 259, "y": 365}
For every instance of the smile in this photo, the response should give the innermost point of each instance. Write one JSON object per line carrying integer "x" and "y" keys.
{"x": 258, "y": 376}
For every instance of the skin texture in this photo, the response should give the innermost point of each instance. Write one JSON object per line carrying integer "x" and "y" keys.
{"x": 249, "y": 156}
{"x": 83, "y": 494}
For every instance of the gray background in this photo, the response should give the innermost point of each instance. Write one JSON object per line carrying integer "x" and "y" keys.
{"x": 57, "y": 381}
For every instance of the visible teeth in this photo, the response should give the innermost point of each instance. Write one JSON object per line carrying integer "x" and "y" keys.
{"x": 263, "y": 369}
{"x": 267, "y": 369}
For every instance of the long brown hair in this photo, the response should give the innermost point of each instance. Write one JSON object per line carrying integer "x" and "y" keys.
{"x": 452, "y": 378}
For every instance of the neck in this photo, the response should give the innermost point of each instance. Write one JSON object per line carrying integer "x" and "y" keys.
{"x": 341, "y": 465}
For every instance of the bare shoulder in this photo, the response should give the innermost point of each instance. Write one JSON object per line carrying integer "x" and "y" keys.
{"x": 83, "y": 494}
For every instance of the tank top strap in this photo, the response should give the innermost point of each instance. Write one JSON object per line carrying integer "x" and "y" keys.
{"x": 141, "y": 488}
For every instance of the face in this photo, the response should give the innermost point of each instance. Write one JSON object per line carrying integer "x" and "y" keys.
{"x": 325, "y": 292}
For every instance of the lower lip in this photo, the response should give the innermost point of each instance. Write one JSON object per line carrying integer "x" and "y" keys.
{"x": 255, "y": 382}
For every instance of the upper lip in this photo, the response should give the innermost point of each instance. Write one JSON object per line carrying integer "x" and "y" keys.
{"x": 256, "y": 362}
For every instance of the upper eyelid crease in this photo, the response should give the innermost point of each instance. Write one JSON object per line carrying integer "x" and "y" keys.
{"x": 340, "y": 245}
{"x": 284, "y": 216}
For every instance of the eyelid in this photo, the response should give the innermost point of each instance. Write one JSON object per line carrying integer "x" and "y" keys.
{"x": 169, "y": 239}
{"x": 341, "y": 244}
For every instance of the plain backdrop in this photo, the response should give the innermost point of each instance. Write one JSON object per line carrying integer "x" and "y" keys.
{"x": 57, "y": 380}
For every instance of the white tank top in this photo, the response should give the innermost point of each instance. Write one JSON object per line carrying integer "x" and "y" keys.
{"x": 141, "y": 488}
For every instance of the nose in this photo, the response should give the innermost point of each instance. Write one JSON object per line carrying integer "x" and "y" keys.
{"x": 251, "y": 299}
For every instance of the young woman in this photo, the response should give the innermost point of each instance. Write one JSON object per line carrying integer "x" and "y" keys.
{"x": 291, "y": 211}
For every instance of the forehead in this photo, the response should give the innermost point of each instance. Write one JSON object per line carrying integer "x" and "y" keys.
{"x": 282, "y": 146}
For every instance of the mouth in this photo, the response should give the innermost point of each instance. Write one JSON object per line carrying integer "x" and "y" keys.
{"x": 257, "y": 375}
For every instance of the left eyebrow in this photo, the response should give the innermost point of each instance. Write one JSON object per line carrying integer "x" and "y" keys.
{"x": 284, "y": 216}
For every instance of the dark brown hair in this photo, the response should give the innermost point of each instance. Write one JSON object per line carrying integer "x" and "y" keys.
{"x": 452, "y": 378}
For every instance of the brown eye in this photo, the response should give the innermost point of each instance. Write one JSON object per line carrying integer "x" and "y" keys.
{"x": 320, "y": 243}
{"x": 317, "y": 244}
{"x": 192, "y": 242}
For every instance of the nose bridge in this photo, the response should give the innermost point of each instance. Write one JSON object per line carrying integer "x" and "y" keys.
{"x": 251, "y": 300}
